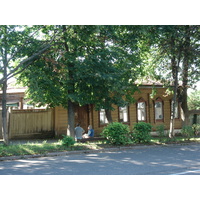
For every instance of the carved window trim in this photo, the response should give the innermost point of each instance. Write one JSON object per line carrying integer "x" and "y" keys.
{"x": 159, "y": 110}
{"x": 141, "y": 109}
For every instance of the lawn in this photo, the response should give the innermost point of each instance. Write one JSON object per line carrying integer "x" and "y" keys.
{"x": 33, "y": 148}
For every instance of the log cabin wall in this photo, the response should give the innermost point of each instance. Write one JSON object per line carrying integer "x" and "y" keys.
{"x": 145, "y": 94}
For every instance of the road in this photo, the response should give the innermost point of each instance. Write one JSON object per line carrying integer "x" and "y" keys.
{"x": 150, "y": 160}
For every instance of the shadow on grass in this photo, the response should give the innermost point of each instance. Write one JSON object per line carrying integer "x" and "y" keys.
{"x": 44, "y": 147}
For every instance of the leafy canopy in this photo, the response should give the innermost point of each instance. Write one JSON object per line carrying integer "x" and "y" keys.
{"x": 88, "y": 64}
{"x": 194, "y": 100}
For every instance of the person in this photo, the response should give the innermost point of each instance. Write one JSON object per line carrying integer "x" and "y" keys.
{"x": 90, "y": 132}
{"x": 79, "y": 132}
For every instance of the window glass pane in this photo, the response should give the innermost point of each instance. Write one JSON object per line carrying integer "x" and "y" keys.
{"x": 123, "y": 114}
{"x": 141, "y": 111}
{"x": 158, "y": 110}
{"x": 103, "y": 119}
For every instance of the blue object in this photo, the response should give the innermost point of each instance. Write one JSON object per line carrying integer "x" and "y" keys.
{"x": 91, "y": 133}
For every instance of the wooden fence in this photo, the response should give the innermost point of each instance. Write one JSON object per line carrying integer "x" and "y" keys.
{"x": 29, "y": 123}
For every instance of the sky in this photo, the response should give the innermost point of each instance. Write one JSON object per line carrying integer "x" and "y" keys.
{"x": 104, "y": 12}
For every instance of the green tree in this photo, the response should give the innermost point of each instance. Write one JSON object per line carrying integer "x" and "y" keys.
{"x": 175, "y": 60}
{"x": 194, "y": 100}
{"x": 18, "y": 49}
{"x": 90, "y": 65}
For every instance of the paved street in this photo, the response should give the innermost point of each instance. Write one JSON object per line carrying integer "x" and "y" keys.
{"x": 150, "y": 160}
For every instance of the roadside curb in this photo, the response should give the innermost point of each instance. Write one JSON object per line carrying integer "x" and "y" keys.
{"x": 65, "y": 153}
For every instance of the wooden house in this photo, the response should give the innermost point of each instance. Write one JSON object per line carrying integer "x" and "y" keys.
{"x": 14, "y": 97}
{"x": 154, "y": 110}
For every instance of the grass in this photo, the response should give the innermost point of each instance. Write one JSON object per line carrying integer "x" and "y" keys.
{"x": 45, "y": 147}
{"x": 177, "y": 139}
{"x": 41, "y": 148}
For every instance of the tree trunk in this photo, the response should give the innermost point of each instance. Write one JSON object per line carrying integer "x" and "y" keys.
{"x": 184, "y": 107}
{"x": 175, "y": 77}
{"x": 70, "y": 127}
{"x": 108, "y": 115}
{"x": 4, "y": 88}
{"x": 4, "y": 110}
{"x": 70, "y": 110}
{"x": 4, "y": 116}
{"x": 186, "y": 58}
{"x": 172, "y": 120}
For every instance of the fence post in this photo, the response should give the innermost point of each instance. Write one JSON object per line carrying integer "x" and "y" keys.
{"x": 8, "y": 124}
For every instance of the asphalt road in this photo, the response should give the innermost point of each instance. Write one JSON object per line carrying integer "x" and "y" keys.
{"x": 150, "y": 160}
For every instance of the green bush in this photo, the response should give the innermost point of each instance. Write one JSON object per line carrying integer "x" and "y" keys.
{"x": 141, "y": 132}
{"x": 187, "y": 131}
{"x": 67, "y": 141}
{"x": 116, "y": 133}
{"x": 160, "y": 129}
{"x": 196, "y": 128}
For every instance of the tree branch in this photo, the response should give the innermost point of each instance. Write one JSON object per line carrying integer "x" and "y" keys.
{"x": 26, "y": 63}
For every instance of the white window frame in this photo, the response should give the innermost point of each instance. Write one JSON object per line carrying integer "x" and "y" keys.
{"x": 159, "y": 111}
{"x": 102, "y": 117}
{"x": 123, "y": 114}
{"x": 141, "y": 111}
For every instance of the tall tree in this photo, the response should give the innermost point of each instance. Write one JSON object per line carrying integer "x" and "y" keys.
{"x": 176, "y": 61}
{"x": 18, "y": 49}
{"x": 190, "y": 72}
{"x": 91, "y": 65}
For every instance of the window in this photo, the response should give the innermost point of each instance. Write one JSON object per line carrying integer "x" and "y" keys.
{"x": 159, "y": 109}
{"x": 141, "y": 110}
{"x": 123, "y": 114}
{"x": 103, "y": 119}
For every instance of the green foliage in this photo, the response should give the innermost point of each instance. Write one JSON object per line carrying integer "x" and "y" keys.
{"x": 35, "y": 147}
{"x": 141, "y": 132}
{"x": 175, "y": 56}
{"x": 194, "y": 100}
{"x": 67, "y": 141}
{"x": 187, "y": 131}
{"x": 196, "y": 128}
{"x": 160, "y": 129}
{"x": 116, "y": 133}
{"x": 89, "y": 64}
{"x": 173, "y": 41}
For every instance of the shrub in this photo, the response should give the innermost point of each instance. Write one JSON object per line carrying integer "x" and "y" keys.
{"x": 141, "y": 132}
{"x": 67, "y": 141}
{"x": 116, "y": 133}
{"x": 187, "y": 131}
{"x": 160, "y": 129}
{"x": 196, "y": 128}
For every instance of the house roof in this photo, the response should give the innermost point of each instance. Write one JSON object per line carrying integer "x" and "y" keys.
{"x": 15, "y": 90}
{"x": 12, "y": 88}
{"x": 148, "y": 83}
{"x": 14, "y": 94}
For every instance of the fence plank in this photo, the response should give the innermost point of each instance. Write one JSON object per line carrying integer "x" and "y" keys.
{"x": 29, "y": 122}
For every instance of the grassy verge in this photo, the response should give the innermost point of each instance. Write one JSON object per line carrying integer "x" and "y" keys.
{"x": 44, "y": 147}
{"x": 41, "y": 148}
{"x": 177, "y": 139}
